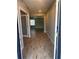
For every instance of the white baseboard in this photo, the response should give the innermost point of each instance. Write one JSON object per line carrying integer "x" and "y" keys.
{"x": 50, "y": 38}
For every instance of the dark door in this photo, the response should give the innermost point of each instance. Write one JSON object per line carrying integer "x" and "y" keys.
{"x": 58, "y": 38}
{"x": 24, "y": 25}
{"x": 18, "y": 44}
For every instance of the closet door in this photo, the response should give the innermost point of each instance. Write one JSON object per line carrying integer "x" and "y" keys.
{"x": 24, "y": 25}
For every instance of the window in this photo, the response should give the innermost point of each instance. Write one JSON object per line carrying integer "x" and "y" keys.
{"x": 32, "y": 22}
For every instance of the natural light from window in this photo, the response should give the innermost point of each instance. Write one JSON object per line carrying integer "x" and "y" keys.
{"x": 32, "y": 22}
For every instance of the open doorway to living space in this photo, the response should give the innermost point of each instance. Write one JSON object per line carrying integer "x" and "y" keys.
{"x": 38, "y": 26}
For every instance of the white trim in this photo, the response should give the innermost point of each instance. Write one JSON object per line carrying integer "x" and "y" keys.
{"x": 44, "y": 24}
{"x": 55, "y": 27}
{"x": 28, "y": 21}
{"x": 23, "y": 9}
{"x": 28, "y": 26}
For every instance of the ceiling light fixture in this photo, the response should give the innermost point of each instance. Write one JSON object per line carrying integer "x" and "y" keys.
{"x": 40, "y": 11}
{"x": 40, "y": 0}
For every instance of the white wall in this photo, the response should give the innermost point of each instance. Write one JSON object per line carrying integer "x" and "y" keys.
{"x": 50, "y": 22}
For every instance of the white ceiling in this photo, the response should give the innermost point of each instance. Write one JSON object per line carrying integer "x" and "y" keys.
{"x": 38, "y": 6}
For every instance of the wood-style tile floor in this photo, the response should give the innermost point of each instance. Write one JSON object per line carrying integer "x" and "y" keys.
{"x": 38, "y": 46}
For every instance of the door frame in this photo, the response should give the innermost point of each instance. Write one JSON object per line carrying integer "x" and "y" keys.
{"x": 20, "y": 28}
{"x": 57, "y": 43}
{"x": 28, "y": 21}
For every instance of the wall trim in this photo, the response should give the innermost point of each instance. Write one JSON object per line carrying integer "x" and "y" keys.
{"x": 23, "y": 9}
{"x": 55, "y": 28}
{"x": 44, "y": 24}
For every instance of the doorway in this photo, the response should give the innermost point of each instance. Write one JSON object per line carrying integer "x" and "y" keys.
{"x": 24, "y": 23}
{"x": 36, "y": 24}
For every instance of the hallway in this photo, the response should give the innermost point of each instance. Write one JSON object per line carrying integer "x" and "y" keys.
{"x": 38, "y": 46}
{"x": 40, "y": 15}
